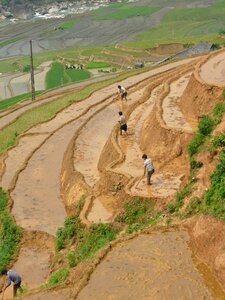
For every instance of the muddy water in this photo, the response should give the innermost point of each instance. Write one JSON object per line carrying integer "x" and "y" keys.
{"x": 101, "y": 210}
{"x": 162, "y": 185}
{"x": 18, "y": 155}
{"x": 97, "y": 132}
{"x": 106, "y": 91}
{"x": 21, "y": 84}
{"x": 37, "y": 261}
{"x": 157, "y": 266}
{"x": 40, "y": 76}
{"x": 133, "y": 164}
{"x": 91, "y": 142}
{"x": 213, "y": 71}
{"x": 172, "y": 114}
{"x": 37, "y": 193}
{"x": 5, "y": 91}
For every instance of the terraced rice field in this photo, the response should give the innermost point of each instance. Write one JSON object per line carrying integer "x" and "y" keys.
{"x": 36, "y": 170}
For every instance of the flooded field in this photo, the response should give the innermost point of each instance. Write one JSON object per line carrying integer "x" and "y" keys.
{"x": 157, "y": 266}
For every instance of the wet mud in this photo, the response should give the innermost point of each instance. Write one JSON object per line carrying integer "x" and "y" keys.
{"x": 213, "y": 70}
{"x": 172, "y": 114}
{"x": 17, "y": 157}
{"x": 157, "y": 266}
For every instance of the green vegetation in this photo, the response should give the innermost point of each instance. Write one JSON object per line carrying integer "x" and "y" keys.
{"x": 13, "y": 100}
{"x": 214, "y": 197}
{"x": 91, "y": 240}
{"x": 186, "y": 26}
{"x": 58, "y": 75}
{"x": 10, "y": 233}
{"x": 205, "y": 127}
{"x": 9, "y": 41}
{"x": 68, "y": 24}
{"x": 46, "y": 111}
{"x": 96, "y": 65}
{"x": 87, "y": 240}
{"x": 138, "y": 213}
{"x": 180, "y": 196}
{"x": 219, "y": 140}
{"x": 57, "y": 277}
{"x": 71, "y": 229}
{"x": 124, "y": 12}
{"x": 212, "y": 201}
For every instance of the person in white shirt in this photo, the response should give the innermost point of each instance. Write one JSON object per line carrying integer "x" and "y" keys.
{"x": 122, "y": 92}
{"x": 122, "y": 122}
{"x": 148, "y": 168}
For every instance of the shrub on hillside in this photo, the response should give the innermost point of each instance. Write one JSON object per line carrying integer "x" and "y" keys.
{"x": 215, "y": 195}
{"x": 205, "y": 125}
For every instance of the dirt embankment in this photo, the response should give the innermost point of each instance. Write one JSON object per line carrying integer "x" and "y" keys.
{"x": 162, "y": 142}
{"x": 199, "y": 98}
{"x": 207, "y": 241}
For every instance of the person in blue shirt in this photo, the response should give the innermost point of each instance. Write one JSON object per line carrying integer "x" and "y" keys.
{"x": 12, "y": 276}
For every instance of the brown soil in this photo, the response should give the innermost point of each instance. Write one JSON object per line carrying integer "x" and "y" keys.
{"x": 79, "y": 154}
{"x": 166, "y": 49}
{"x": 159, "y": 266}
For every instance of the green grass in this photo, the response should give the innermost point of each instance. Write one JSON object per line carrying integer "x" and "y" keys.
{"x": 68, "y": 24}
{"x": 215, "y": 196}
{"x": 71, "y": 229}
{"x": 10, "y": 233}
{"x": 97, "y": 64}
{"x": 180, "y": 196}
{"x": 46, "y": 111}
{"x": 57, "y": 75}
{"x": 125, "y": 12}
{"x": 13, "y": 100}
{"x": 57, "y": 277}
{"x": 87, "y": 240}
{"x": 137, "y": 214}
{"x": 91, "y": 240}
{"x": 9, "y": 41}
{"x": 186, "y": 26}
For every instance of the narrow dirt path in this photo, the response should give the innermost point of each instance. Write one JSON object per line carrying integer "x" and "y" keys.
{"x": 213, "y": 70}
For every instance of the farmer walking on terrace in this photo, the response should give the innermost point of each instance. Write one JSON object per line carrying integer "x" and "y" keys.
{"x": 122, "y": 92}
{"x": 12, "y": 276}
{"x": 122, "y": 122}
{"x": 148, "y": 168}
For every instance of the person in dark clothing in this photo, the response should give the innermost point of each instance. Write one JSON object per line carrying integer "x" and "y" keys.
{"x": 12, "y": 276}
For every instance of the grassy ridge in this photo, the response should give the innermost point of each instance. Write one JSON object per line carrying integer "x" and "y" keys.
{"x": 9, "y": 41}
{"x": 97, "y": 64}
{"x": 45, "y": 111}
{"x": 125, "y": 12}
{"x": 185, "y": 25}
{"x": 68, "y": 24}
{"x": 13, "y": 100}
{"x": 10, "y": 233}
